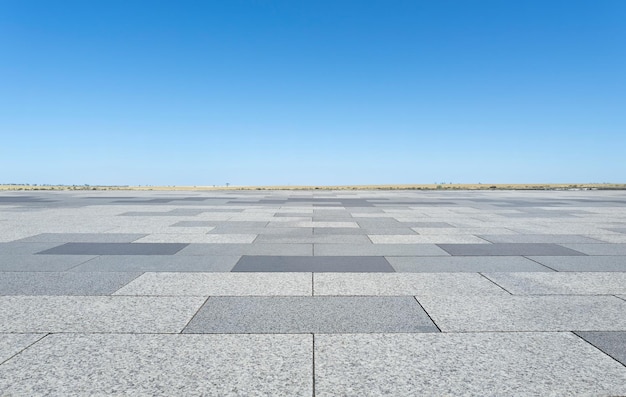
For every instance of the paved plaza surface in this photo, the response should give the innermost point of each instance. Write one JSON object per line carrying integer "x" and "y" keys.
{"x": 313, "y": 293}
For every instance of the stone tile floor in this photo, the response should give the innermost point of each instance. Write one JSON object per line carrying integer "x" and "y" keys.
{"x": 313, "y": 293}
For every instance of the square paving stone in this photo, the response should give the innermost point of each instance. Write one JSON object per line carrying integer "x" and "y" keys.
{"x": 163, "y": 365}
{"x": 115, "y": 249}
{"x": 310, "y": 315}
{"x": 465, "y": 264}
{"x": 393, "y": 284}
{"x": 205, "y": 284}
{"x": 312, "y": 264}
{"x": 481, "y": 364}
{"x": 62, "y": 283}
{"x": 41, "y": 263}
{"x": 611, "y": 343}
{"x": 133, "y": 314}
{"x": 12, "y": 344}
{"x": 583, "y": 263}
{"x": 508, "y": 249}
{"x": 83, "y": 238}
{"x": 561, "y": 283}
{"x": 526, "y": 313}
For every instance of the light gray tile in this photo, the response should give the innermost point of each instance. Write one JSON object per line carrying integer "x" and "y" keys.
{"x": 115, "y": 249}
{"x": 391, "y": 284}
{"x": 136, "y": 314}
{"x": 12, "y": 344}
{"x": 149, "y": 365}
{"x": 465, "y": 264}
{"x": 583, "y": 263}
{"x": 508, "y": 249}
{"x": 248, "y": 249}
{"x": 561, "y": 283}
{"x": 599, "y": 249}
{"x": 426, "y": 239}
{"x": 538, "y": 238}
{"x": 494, "y": 364}
{"x": 62, "y": 283}
{"x": 312, "y": 264}
{"x": 199, "y": 238}
{"x": 526, "y": 313}
{"x": 41, "y": 263}
{"x": 317, "y": 239}
{"x": 14, "y": 248}
{"x": 205, "y": 284}
{"x": 83, "y": 238}
{"x": 158, "y": 263}
{"x": 378, "y": 250}
{"x": 310, "y": 314}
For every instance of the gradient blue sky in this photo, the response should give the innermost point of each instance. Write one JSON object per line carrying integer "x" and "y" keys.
{"x": 316, "y": 92}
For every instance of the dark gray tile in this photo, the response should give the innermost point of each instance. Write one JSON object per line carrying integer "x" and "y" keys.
{"x": 426, "y": 224}
{"x": 338, "y": 230}
{"x": 248, "y": 249}
{"x": 537, "y": 238}
{"x": 383, "y": 223}
{"x": 310, "y": 314}
{"x": 312, "y": 264}
{"x": 63, "y": 283}
{"x": 611, "y": 343}
{"x": 14, "y": 248}
{"x": 618, "y": 229}
{"x": 465, "y": 264}
{"x": 508, "y": 249}
{"x": 115, "y": 249}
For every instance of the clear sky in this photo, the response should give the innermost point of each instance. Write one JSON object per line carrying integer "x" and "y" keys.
{"x": 315, "y": 92}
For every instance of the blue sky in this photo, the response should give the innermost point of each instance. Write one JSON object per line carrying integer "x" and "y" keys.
{"x": 317, "y": 92}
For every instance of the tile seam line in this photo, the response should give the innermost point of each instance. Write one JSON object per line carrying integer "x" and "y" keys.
{"x": 313, "y": 364}
{"x": 25, "y": 348}
{"x": 428, "y": 314}
{"x": 194, "y": 315}
{"x": 82, "y": 263}
{"x": 541, "y": 264}
{"x": 498, "y": 285}
{"x": 597, "y": 348}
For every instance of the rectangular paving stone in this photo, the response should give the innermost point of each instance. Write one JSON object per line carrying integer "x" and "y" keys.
{"x": 158, "y": 263}
{"x": 313, "y": 239}
{"x": 526, "y": 313}
{"x": 225, "y": 284}
{"x": 394, "y": 284}
{"x": 583, "y": 263}
{"x": 561, "y": 283}
{"x": 422, "y": 239}
{"x": 465, "y": 264}
{"x": 599, "y": 249}
{"x": 41, "y": 263}
{"x": 378, "y": 250}
{"x": 248, "y": 249}
{"x": 337, "y": 230}
{"x": 194, "y": 224}
{"x": 168, "y": 365}
{"x": 538, "y": 238}
{"x": 13, "y": 248}
{"x": 508, "y": 249}
{"x": 133, "y": 314}
{"x": 611, "y": 343}
{"x": 83, "y": 238}
{"x": 312, "y": 264}
{"x": 115, "y": 249}
{"x": 62, "y": 283}
{"x": 12, "y": 344}
{"x": 310, "y": 315}
{"x": 199, "y": 238}
{"x": 468, "y": 364}
{"x": 427, "y": 224}
{"x": 282, "y": 231}
{"x": 314, "y": 224}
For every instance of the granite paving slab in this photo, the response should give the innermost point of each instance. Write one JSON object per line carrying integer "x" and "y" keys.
{"x": 41, "y": 263}
{"x": 390, "y": 284}
{"x": 158, "y": 263}
{"x": 538, "y": 238}
{"x": 312, "y": 264}
{"x": 168, "y": 365}
{"x": 561, "y": 283}
{"x": 115, "y": 249}
{"x": 338, "y": 230}
{"x": 526, "y": 313}
{"x": 310, "y": 314}
{"x": 466, "y": 264}
{"x": 62, "y": 283}
{"x": 426, "y": 239}
{"x": 313, "y": 239}
{"x": 83, "y": 238}
{"x": 599, "y": 249}
{"x": 611, "y": 343}
{"x": 113, "y": 314}
{"x": 583, "y": 263}
{"x": 509, "y": 249}
{"x": 12, "y": 344}
{"x": 199, "y": 238}
{"x": 248, "y": 249}
{"x": 468, "y": 364}
{"x": 206, "y": 284}
{"x": 14, "y": 248}
{"x": 378, "y": 250}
